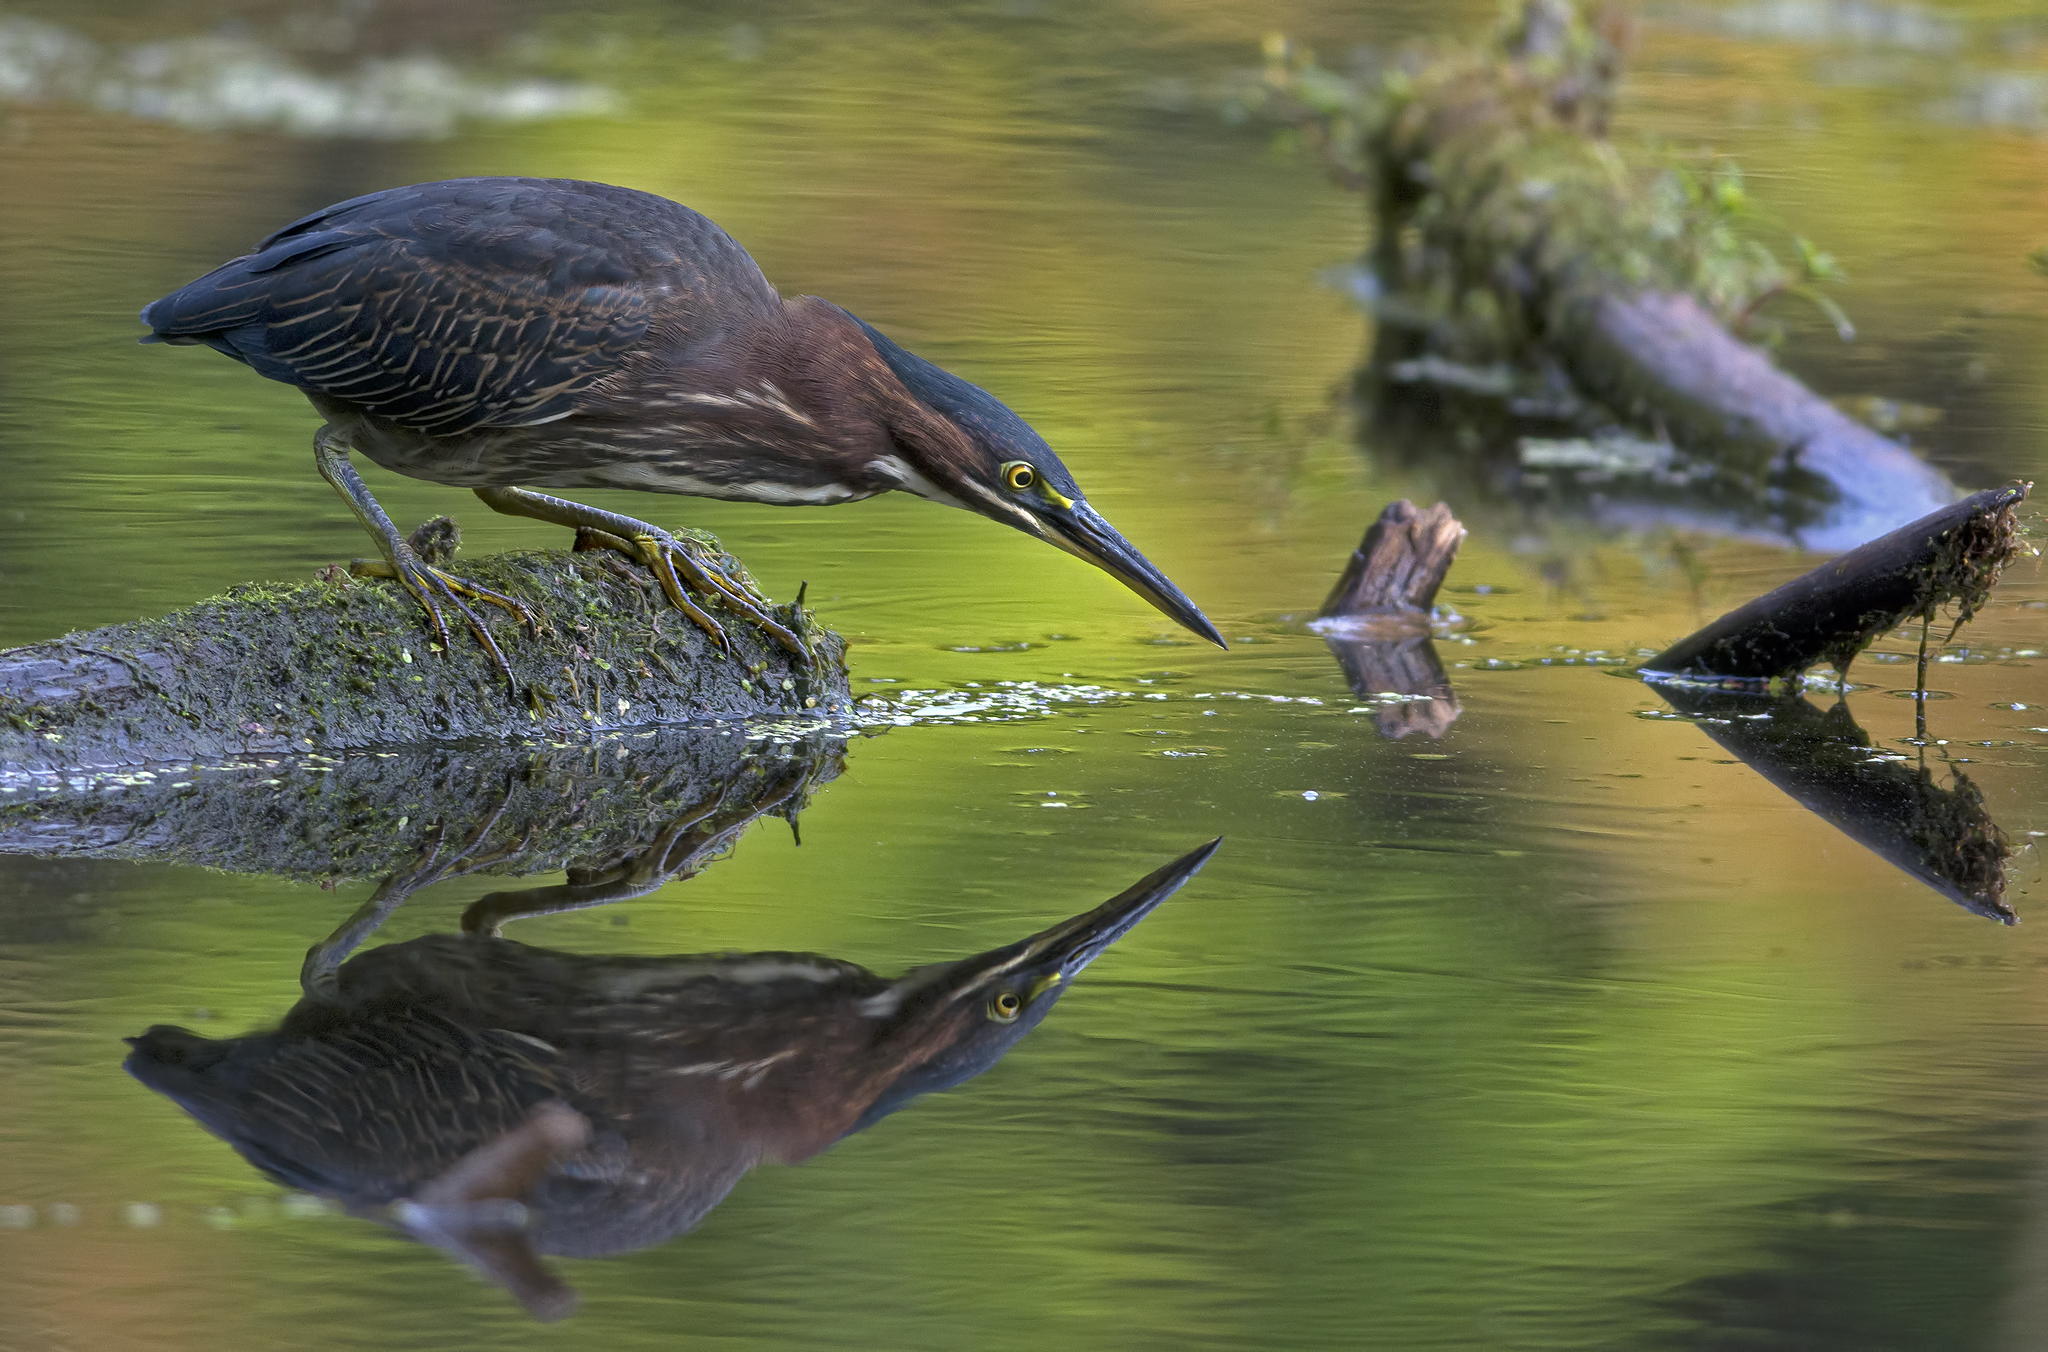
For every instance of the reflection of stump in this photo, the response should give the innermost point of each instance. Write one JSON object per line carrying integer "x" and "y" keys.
{"x": 1377, "y": 617}
{"x": 1406, "y": 666}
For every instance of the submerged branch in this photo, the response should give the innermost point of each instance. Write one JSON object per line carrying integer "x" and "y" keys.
{"x": 1837, "y": 610}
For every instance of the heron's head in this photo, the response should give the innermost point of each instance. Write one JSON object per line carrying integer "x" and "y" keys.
{"x": 946, "y": 1023}
{"x": 956, "y": 443}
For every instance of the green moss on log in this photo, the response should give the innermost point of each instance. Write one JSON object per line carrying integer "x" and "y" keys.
{"x": 343, "y": 663}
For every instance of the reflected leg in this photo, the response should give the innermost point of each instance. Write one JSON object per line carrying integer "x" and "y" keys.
{"x": 682, "y": 850}
{"x": 316, "y": 973}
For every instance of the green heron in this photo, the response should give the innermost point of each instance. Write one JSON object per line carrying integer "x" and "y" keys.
{"x": 502, "y": 1101}
{"x": 504, "y": 333}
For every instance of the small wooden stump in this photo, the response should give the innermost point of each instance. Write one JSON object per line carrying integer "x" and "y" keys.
{"x": 1377, "y": 618}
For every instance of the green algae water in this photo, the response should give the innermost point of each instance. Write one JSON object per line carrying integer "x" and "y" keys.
{"x": 1552, "y": 1023}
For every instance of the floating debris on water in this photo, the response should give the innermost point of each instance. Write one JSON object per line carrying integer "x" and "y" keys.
{"x": 995, "y": 702}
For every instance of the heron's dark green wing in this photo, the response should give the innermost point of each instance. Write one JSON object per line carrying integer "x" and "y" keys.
{"x": 366, "y": 1108}
{"x": 447, "y": 307}
{"x": 509, "y": 985}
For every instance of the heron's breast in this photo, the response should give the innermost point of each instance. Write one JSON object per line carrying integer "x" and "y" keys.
{"x": 705, "y": 458}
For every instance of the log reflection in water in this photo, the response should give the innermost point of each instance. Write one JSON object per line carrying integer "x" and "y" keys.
{"x": 1940, "y": 834}
{"x": 1406, "y": 676}
{"x": 529, "y": 809}
{"x": 502, "y": 1101}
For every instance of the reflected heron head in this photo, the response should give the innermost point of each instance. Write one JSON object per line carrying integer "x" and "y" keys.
{"x": 954, "y": 1020}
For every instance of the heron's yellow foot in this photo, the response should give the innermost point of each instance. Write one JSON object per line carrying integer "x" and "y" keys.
{"x": 681, "y": 567}
{"x": 434, "y": 588}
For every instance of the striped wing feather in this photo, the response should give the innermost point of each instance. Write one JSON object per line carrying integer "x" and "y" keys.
{"x": 447, "y": 307}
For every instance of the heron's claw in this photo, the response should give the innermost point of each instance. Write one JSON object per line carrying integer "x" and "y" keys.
{"x": 681, "y": 567}
{"x": 433, "y": 588}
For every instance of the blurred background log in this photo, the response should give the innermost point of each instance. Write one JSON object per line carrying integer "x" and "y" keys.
{"x": 1516, "y": 247}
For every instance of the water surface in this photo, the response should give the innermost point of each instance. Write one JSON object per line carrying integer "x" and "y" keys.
{"x": 1563, "y": 1030}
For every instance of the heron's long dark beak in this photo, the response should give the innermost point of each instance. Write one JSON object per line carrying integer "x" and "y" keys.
{"x": 1081, "y": 531}
{"x": 1055, "y": 955}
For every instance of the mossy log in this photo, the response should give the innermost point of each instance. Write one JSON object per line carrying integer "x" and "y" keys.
{"x": 1834, "y": 612}
{"x": 341, "y": 663}
{"x": 1510, "y": 232}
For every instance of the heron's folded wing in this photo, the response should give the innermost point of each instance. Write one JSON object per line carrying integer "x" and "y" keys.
{"x": 453, "y": 306}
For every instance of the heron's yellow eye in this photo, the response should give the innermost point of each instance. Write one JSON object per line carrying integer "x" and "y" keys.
{"x": 1019, "y": 475}
{"x": 1005, "y": 1007}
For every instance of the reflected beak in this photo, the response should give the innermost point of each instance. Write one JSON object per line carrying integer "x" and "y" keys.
{"x": 1081, "y": 531}
{"x": 1056, "y": 955}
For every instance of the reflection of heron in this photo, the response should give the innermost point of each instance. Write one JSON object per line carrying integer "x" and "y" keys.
{"x": 496, "y": 333}
{"x": 502, "y": 1101}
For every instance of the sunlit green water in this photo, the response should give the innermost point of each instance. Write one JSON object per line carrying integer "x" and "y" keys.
{"x": 1564, "y": 1031}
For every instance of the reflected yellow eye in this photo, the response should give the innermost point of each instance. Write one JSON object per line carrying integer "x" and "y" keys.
{"x": 1019, "y": 475}
{"x": 1005, "y": 1007}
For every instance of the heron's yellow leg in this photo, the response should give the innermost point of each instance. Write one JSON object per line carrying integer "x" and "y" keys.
{"x": 680, "y": 567}
{"x": 431, "y": 587}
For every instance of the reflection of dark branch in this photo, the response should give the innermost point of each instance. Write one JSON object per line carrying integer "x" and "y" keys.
{"x": 1407, "y": 666}
{"x": 1940, "y": 835}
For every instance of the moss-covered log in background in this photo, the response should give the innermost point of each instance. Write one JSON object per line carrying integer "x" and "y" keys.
{"x": 1511, "y": 233}
{"x": 343, "y": 663}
